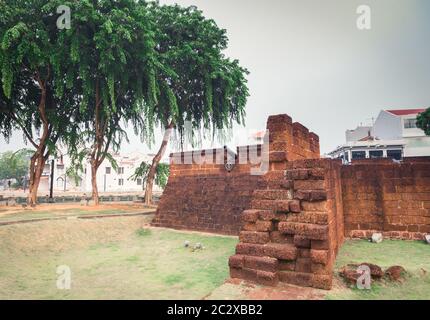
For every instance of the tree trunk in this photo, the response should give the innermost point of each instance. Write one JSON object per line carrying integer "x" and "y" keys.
{"x": 37, "y": 165}
{"x": 98, "y": 141}
{"x": 153, "y": 170}
{"x": 95, "y": 191}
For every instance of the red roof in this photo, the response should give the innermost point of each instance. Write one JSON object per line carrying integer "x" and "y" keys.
{"x": 405, "y": 112}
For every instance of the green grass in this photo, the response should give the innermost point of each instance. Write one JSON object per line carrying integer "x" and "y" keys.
{"x": 150, "y": 264}
{"x": 413, "y": 256}
{"x": 143, "y": 232}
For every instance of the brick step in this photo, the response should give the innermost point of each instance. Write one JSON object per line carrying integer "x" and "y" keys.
{"x": 280, "y": 194}
{"x": 261, "y": 277}
{"x": 310, "y": 231}
{"x": 252, "y": 215}
{"x": 283, "y": 251}
{"x": 312, "y": 217}
{"x": 305, "y": 279}
{"x": 311, "y": 195}
{"x": 252, "y": 262}
{"x": 276, "y": 205}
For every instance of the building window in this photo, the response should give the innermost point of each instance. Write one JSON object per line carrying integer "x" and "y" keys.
{"x": 357, "y": 155}
{"x": 107, "y": 170}
{"x": 139, "y": 182}
{"x": 121, "y": 170}
{"x": 394, "y": 154}
{"x": 376, "y": 154}
{"x": 347, "y": 156}
{"x": 410, "y": 123}
{"x": 120, "y": 182}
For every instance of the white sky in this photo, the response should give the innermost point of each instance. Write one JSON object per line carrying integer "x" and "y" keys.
{"x": 309, "y": 60}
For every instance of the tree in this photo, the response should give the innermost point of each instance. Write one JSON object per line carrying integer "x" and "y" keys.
{"x": 35, "y": 81}
{"x": 112, "y": 48}
{"x": 15, "y": 165}
{"x": 197, "y": 82}
{"x": 423, "y": 121}
{"x": 161, "y": 176}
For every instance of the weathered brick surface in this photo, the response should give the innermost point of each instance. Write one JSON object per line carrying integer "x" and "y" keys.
{"x": 254, "y": 237}
{"x": 307, "y": 230}
{"x": 381, "y": 196}
{"x": 292, "y": 220}
{"x": 207, "y": 198}
{"x": 297, "y": 208}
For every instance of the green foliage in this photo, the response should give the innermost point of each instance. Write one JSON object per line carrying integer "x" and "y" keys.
{"x": 32, "y": 62}
{"x": 196, "y": 82}
{"x": 111, "y": 51}
{"x": 423, "y": 121}
{"x": 161, "y": 175}
{"x": 122, "y": 62}
{"x": 14, "y": 165}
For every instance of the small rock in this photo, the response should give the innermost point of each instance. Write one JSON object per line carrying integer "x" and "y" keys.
{"x": 186, "y": 244}
{"x": 377, "y": 238}
{"x": 395, "y": 273}
{"x": 350, "y": 274}
{"x": 198, "y": 246}
{"x": 428, "y": 238}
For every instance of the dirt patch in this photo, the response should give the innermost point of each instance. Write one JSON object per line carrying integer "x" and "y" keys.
{"x": 235, "y": 289}
{"x": 66, "y": 234}
{"x": 18, "y": 209}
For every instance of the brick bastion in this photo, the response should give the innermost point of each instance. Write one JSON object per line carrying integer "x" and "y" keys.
{"x": 290, "y": 208}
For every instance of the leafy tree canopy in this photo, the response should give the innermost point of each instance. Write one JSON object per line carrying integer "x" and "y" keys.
{"x": 161, "y": 177}
{"x": 14, "y": 165}
{"x": 196, "y": 82}
{"x": 423, "y": 121}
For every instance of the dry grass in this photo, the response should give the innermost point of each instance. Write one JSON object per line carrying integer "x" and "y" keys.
{"x": 112, "y": 258}
{"x": 46, "y": 211}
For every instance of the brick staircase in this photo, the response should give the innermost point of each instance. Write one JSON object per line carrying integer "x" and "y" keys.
{"x": 289, "y": 234}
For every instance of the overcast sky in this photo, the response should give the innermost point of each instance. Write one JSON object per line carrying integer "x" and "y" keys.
{"x": 308, "y": 59}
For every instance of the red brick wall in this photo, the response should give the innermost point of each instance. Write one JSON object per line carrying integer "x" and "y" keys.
{"x": 206, "y": 197}
{"x": 203, "y": 195}
{"x": 292, "y": 220}
{"x": 381, "y": 196}
{"x": 292, "y": 139}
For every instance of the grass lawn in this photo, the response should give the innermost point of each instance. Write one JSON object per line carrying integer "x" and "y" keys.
{"x": 413, "y": 256}
{"x": 122, "y": 258}
{"x": 142, "y": 264}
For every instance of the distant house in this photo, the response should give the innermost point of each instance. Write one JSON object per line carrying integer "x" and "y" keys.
{"x": 393, "y": 135}
{"x": 108, "y": 179}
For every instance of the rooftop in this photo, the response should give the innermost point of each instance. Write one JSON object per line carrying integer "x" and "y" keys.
{"x": 405, "y": 112}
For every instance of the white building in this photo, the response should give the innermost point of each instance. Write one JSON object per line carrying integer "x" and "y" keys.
{"x": 393, "y": 135}
{"x": 108, "y": 180}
